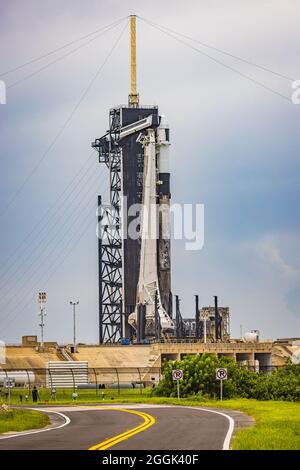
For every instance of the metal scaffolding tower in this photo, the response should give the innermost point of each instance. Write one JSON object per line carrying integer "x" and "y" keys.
{"x": 109, "y": 237}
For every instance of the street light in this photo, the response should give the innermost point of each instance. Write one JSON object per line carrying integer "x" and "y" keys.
{"x": 42, "y": 314}
{"x": 74, "y": 320}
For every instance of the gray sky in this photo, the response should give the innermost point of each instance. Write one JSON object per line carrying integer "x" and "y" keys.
{"x": 235, "y": 148}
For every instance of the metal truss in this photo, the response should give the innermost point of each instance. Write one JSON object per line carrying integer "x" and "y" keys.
{"x": 109, "y": 237}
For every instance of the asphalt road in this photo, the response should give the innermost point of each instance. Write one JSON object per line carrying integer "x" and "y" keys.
{"x": 175, "y": 428}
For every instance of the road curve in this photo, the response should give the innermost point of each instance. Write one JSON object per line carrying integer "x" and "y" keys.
{"x": 173, "y": 428}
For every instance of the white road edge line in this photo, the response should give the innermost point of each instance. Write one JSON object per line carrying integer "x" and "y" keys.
{"x": 228, "y": 437}
{"x": 36, "y": 431}
{"x": 226, "y": 443}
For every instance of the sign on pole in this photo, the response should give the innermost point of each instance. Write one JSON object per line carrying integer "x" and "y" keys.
{"x": 221, "y": 374}
{"x": 177, "y": 374}
{"x": 9, "y": 383}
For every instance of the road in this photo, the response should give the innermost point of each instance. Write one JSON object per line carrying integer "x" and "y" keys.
{"x": 141, "y": 427}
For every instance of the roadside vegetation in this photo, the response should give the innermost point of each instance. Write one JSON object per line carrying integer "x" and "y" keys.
{"x": 21, "y": 420}
{"x": 199, "y": 380}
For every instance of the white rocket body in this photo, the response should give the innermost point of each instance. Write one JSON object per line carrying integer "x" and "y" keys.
{"x": 156, "y": 161}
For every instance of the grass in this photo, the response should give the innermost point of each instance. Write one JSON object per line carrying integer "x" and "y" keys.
{"x": 64, "y": 396}
{"x": 277, "y": 423}
{"x": 20, "y": 420}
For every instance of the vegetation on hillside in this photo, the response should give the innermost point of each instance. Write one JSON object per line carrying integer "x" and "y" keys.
{"x": 199, "y": 380}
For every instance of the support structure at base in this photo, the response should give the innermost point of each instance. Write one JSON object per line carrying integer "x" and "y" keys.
{"x": 109, "y": 239}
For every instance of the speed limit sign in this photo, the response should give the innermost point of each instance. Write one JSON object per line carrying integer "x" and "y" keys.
{"x": 177, "y": 374}
{"x": 221, "y": 373}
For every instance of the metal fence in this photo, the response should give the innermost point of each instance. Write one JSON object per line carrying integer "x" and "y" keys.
{"x": 76, "y": 379}
{"x": 96, "y": 379}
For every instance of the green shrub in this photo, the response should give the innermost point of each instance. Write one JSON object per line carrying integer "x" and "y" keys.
{"x": 199, "y": 380}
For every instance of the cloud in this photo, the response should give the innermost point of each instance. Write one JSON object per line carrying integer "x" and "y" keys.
{"x": 278, "y": 272}
{"x": 272, "y": 257}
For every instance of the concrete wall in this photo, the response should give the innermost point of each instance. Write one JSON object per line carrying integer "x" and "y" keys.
{"x": 267, "y": 353}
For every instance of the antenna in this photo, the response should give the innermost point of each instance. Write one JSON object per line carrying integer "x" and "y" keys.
{"x": 133, "y": 99}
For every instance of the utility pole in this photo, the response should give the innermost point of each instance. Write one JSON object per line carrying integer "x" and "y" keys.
{"x": 42, "y": 314}
{"x": 74, "y": 322}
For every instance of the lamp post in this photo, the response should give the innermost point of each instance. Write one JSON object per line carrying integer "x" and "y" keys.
{"x": 74, "y": 322}
{"x": 42, "y": 314}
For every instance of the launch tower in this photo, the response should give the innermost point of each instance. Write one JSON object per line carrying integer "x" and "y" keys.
{"x": 134, "y": 225}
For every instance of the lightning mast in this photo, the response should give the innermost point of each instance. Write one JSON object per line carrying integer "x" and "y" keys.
{"x": 133, "y": 99}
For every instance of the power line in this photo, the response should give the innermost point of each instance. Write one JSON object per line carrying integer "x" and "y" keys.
{"x": 47, "y": 54}
{"x": 209, "y": 46}
{"x": 253, "y": 80}
{"x": 50, "y": 240}
{"x": 49, "y": 230}
{"x": 21, "y": 80}
{"x": 63, "y": 259}
{"x": 60, "y": 132}
{"x": 38, "y": 224}
{"x": 58, "y": 256}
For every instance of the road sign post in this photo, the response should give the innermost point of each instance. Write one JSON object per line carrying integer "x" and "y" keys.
{"x": 9, "y": 383}
{"x": 221, "y": 374}
{"x": 221, "y": 390}
{"x": 177, "y": 375}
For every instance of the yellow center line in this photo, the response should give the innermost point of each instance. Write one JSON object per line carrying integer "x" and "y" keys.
{"x": 148, "y": 421}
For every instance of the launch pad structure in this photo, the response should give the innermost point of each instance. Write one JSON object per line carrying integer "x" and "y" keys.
{"x": 134, "y": 228}
{"x": 119, "y": 256}
{"x": 134, "y": 268}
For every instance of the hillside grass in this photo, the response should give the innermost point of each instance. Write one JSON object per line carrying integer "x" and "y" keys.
{"x": 21, "y": 420}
